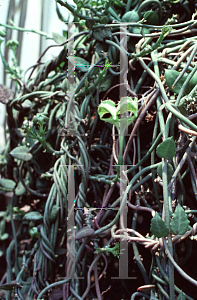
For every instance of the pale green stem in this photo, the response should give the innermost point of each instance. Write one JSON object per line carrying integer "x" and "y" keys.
{"x": 47, "y": 36}
{"x": 120, "y": 156}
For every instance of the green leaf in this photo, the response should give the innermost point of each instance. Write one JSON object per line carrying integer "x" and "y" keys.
{"x": 34, "y": 232}
{"x": 170, "y": 171}
{"x": 181, "y": 296}
{"x": 4, "y": 236}
{"x": 109, "y": 113}
{"x": 33, "y": 215}
{"x": 20, "y": 189}
{"x": 7, "y": 183}
{"x": 108, "y": 110}
{"x": 147, "y": 13}
{"x": 21, "y": 153}
{"x": 179, "y": 223}
{"x": 90, "y": 23}
{"x": 98, "y": 34}
{"x": 127, "y": 104}
{"x": 54, "y": 213}
{"x": 27, "y": 104}
{"x": 107, "y": 32}
{"x": 64, "y": 85}
{"x": 170, "y": 77}
{"x": 158, "y": 227}
{"x": 3, "y": 160}
{"x": 59, "y": 39}
{"x": 40, "y": 118}
{"x": 167, "y": 149}
{"x": 79, "y": 63}
{"x": 17, "y": 211}
{"x": 131, "y": 16}
{"x": 13, "y": 44}
{"x": 3, "y": 33}
{"x": 29, "y": 141}
{"x": 105, "y": 85}
{"x": 84, "y": 232}
{"x": 152, "y": 18}
{"x": 93, "y": 3}
{"x": 119, "y": 4}
{"x": 138, "y": 30}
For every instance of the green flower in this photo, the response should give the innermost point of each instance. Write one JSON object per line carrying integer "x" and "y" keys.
{"x": 40, "y": 118}
{"x": 3, "y": 33}
{"x": 12, "y": 44}
{"x": 116, "y": 115}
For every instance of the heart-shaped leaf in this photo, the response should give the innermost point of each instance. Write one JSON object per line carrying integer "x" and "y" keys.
{"x": 170, "y": 170}
{"x": 21, "y": 153}
{"x": 127, "y": 104}
{"x": 167, "y": 149}
{"x": 147, "y": 13}
{"x": 79, "y": 63}
{"x": 158, "y": 227}
{"x": 90, "y": 23}
{"x": 20, "y": 189}
{"x": 7, "y": 183}
{"x": 59, "y": 39}
{"x": 181, "y": 296}
{"x": 107, "y": 32}
{"x": 107, "y": 108}
{"x": 109, "y": 113}
{"x": 84, "y": 232}
{"x": 4, "y": 236}
{"x": 105, "y": 85}
{"x": 33, "y": 215}
{"x": 98, "y": 34}
{"x": 171, "y": 76}
{"x": 34, "y": 232}
{"x": 179, "y": 223}
{"x": 152, "y": 18}
{"x": 27, "y": 104}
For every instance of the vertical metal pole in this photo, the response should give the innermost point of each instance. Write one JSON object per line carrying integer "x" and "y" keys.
{"x": 123, "y": 265}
